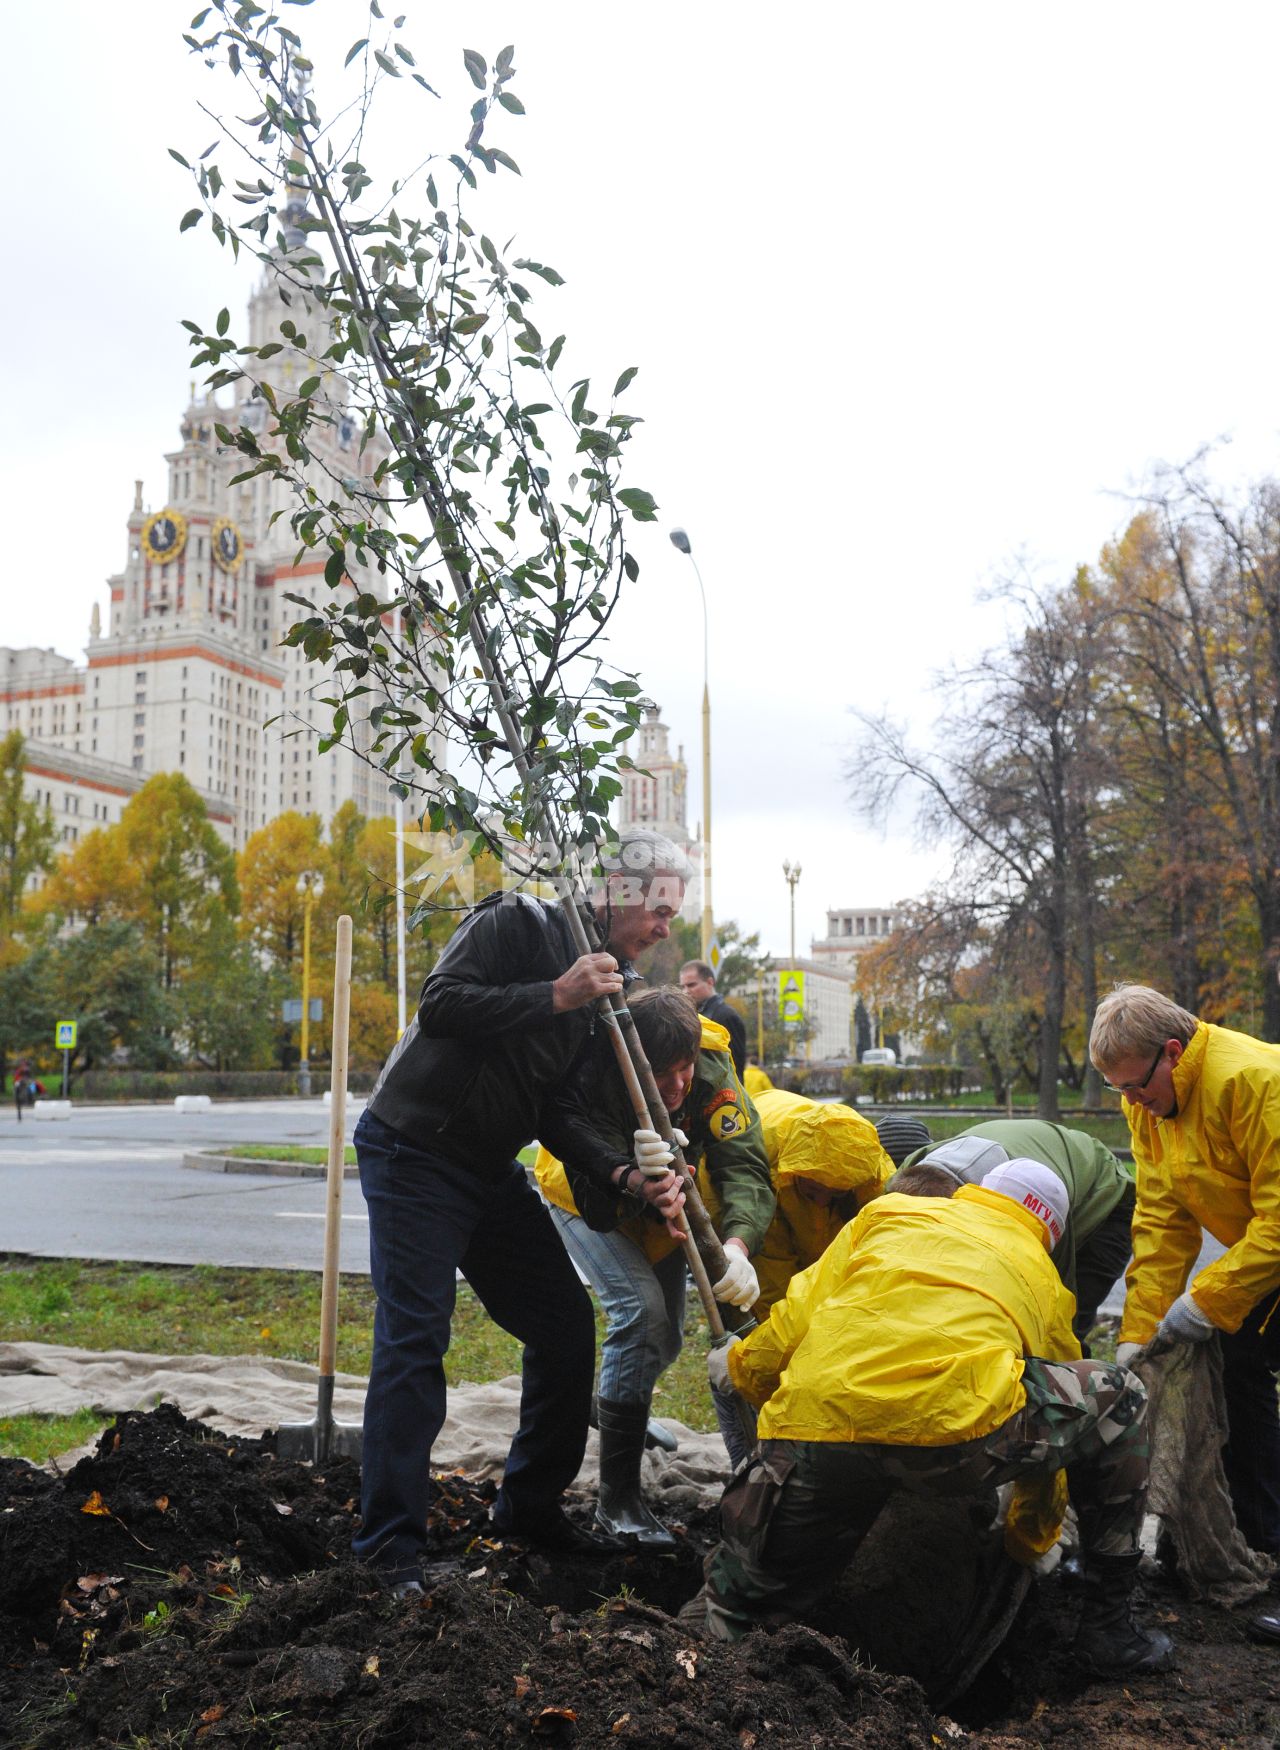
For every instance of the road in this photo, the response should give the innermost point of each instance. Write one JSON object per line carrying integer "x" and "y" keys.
{"x": 109, "y": 1183}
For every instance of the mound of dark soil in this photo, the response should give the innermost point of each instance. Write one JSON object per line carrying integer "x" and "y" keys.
{"x": 179, "y": 1587}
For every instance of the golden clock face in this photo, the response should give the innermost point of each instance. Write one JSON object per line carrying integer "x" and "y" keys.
{"x": 164, "y": 535}
{"x": 228, "y": 546}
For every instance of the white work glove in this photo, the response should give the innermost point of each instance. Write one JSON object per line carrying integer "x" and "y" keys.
{"x": 1185, "y": 1323}
{"x": 718, "y": 1365}
{"x": 1125, "y": 1353}
{"x": 653, "y": 1156}
{"x": 739, "y": 1285}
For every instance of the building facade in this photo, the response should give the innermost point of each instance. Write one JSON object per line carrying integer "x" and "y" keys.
{"x": 190, "y": 673}
{"x": 655, "y": 796}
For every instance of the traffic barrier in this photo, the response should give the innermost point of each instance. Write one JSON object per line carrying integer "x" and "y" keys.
{"x": 50, "y": 1111}
{"x": 192, "y": 1103}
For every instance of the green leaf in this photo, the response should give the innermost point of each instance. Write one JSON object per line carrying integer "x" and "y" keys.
{"x": 476, "y": 66}
{"x": 509, "y": 100}
{"x": 193, "y": 217}
{"x": 308, "y": 388}
{"x": 631, "y": 565}
{"x": 355, "y": 49}
{"x": 624, "y": 380}
{"x": 386, "y": 63}
{"x": 181, "y": 160}
{"x": 335, "y": 569}
{"x": 224, "y": 321}
{"x": 642, "y": 505}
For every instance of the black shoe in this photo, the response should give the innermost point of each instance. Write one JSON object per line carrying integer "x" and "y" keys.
{"x": 404, "y": 1583}
{"x": 1265, "y": 1627}
{"x": 551, "y": 1529}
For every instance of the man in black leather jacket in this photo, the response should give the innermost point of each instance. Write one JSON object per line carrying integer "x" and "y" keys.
{"x": 698, "y": 982}
{"x": 504, "y": 1023}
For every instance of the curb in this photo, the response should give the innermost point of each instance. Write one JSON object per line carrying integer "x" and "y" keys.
{"x": 216, "y": 1163}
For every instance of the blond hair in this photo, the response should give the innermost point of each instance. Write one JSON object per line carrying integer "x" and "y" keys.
{"x": 1133, "y": 1020}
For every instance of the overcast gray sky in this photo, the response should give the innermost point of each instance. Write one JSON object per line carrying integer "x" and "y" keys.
{"x": 912, "y": 290}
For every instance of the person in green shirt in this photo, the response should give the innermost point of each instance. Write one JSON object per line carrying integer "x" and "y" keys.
{"x": 1096, "y": 1245}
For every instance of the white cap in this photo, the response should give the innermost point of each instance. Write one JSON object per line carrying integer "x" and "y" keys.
{"x": 1036, "y": 1188}
{"x": 967, "y": 1158}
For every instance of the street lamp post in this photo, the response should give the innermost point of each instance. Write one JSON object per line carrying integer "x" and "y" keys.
{"x": 310, "y": 887}
{"x": 680, "y": 541}
{"x": 792, "y": 874}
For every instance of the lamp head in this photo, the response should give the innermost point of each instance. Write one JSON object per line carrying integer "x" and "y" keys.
{"x": 680, "y": 541}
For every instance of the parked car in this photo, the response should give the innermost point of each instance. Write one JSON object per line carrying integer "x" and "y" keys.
{"x": 880, "y": 1054}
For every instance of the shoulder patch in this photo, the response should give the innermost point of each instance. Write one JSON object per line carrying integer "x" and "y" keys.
{"x": 728, "y": 1121}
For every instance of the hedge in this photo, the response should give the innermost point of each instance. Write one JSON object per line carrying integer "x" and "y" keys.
{"x": 142, "y": 1084}
{"x": 883, "y": 1084}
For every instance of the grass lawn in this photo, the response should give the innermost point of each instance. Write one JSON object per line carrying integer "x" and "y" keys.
{"x": 201, "y": 1310}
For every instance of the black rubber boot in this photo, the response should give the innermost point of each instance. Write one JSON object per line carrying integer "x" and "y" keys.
{"x": 1109, "y": 1642}
{"x": 654, "y": 1435}
{"x": 620, "y": 1508}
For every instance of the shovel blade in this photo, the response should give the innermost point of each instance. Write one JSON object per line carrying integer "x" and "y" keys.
{"x": 316, "y": 1441}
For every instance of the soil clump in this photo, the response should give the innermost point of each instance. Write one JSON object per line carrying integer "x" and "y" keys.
{"x": 181, "y": 1587}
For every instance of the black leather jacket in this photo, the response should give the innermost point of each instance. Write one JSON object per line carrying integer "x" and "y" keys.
{"x": 487, "y": 1065}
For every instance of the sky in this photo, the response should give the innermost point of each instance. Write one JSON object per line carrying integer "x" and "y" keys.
{"x": 915, "y": 293}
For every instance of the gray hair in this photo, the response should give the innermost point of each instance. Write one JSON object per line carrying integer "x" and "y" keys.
{"x": 644, "y": 853}
{"x": 1133, "y": 1020}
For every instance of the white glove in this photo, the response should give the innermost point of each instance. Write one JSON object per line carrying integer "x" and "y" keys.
{"x": 739, "y": 1285}
{"x": 652, "y": 1155}
{"x": 1185, "y": 1323}
{"x": 718, "y": 1365}
{"x": 1125, "y": 1353}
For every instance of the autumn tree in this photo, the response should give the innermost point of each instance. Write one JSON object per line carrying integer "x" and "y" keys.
{"x": 1197, "y": 582}
{"x": 1012, "y": 786}
{"x": 28, "y": 838}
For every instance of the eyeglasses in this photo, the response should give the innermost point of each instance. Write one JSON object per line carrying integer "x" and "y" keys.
{"x": 1137, "y": 1087}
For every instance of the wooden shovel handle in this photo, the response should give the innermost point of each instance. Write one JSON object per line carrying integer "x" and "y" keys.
{"x": 337, "y": 1147}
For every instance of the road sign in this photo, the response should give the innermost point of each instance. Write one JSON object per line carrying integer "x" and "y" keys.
{"x": 715, "y": 955}
{"x": 291, "y": 1009}
{"x": 65, "y": 1035}
{"x": 791, "y": 998}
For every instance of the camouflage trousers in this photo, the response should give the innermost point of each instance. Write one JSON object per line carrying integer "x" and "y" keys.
{"x": 792, "y": 1521}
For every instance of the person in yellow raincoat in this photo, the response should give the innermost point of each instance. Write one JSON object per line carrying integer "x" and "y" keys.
{"x": 826, "y": 1163}
{"x": 754, "y": 1079}
{"x": 930, "y": 1350}
{"x": 1203, "y": 1105}
{"x": 629, "y": 1256}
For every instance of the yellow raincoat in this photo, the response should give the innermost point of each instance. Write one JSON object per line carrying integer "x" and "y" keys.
{"x": 1214, "y": 1165}
{"x": 832, "y": 1145}
{"x": 755, "y": 1080}
{"x": 912, "y": 1327}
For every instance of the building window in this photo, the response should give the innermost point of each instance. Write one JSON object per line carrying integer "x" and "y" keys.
{"x": 137, "y": 762}
{"x": 139, "y": 718}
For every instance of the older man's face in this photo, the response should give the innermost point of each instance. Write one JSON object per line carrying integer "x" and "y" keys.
{"x": 637, "y": 921}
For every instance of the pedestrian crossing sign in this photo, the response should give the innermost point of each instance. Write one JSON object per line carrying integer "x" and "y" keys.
{"x": 791, "y": 998}
{"x": 66, "y": 1035}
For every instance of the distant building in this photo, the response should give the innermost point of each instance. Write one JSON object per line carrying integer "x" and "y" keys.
{"x": 191, "y": 669}
{"x": 655, "y": 795}
{"x": 850, "y": 933}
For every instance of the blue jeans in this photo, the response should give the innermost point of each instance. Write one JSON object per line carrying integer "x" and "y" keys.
{"x": 644, "y": 1304}
{"x": 430, "y": 1217}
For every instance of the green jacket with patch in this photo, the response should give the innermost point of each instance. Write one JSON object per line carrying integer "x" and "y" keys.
{"x": 726, "y": 1146}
